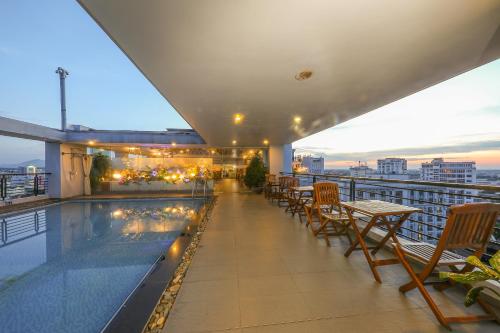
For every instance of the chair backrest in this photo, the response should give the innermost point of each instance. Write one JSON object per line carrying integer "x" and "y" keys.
{"x": 270, "y": 178}
{"x": 327, "y": 193}
{"x": 469, "y": 226}
{"x": 292, "y": 182}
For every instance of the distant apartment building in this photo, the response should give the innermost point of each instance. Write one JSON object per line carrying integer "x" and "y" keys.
{"x": 391, "y": 166}
{"x": 449, "y": 172}
{"x": 309, "y": 164}
{"x": 361, "y": 170}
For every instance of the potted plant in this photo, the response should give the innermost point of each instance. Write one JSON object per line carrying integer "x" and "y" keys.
{"x": 255, "y": 175}
{"x": 483, "y": 274}
{"x": 101, "y": 165}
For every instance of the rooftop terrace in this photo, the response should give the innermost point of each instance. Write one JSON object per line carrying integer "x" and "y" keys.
{"x": 259, "y": 270}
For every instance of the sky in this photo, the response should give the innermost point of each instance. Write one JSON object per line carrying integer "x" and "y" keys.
{"x": 458, "y": 119}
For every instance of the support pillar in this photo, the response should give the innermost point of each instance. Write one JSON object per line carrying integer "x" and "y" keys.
{"x": 64, "y": 162}
{"x": 280, "y": 159}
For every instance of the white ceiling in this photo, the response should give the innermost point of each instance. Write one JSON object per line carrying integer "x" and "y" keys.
{"x": 212, "y": 59}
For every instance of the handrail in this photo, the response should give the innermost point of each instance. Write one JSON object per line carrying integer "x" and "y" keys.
{"x": 38, "y": 184}
{"x": 409, "y": 182}
{"x": 24, "y": 174}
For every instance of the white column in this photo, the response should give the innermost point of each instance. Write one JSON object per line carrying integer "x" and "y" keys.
{"x": 280, "y": 159}
{"x": 66, "y": 179}
{"x": 53, "y": 166}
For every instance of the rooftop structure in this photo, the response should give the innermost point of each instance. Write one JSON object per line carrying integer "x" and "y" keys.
{"x": 449, "y": 172}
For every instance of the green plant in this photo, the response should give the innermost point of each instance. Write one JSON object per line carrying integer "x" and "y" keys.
{"x": 101, "y": 165}
{"x": 255, "y": 175}
{"x": 484, "y": 273}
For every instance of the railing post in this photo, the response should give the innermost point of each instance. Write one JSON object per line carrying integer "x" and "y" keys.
{"x": 314, "y": 179}
{"x": 35, "y": 185}
{"x": 3, "y": 187}
{"x": 4, "y": 231}
{"x": 36, "y": 220}
{"x": 352, "y": 190}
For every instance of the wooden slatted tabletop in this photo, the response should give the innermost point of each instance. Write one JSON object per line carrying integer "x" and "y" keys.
{"x": 379, "y": 208}
{"x": 303, "y": 188}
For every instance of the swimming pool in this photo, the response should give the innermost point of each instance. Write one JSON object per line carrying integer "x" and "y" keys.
{"x": 70, "y": 266}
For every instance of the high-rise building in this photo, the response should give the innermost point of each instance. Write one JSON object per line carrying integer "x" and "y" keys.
{"x": 450, "y": 172}
{"x": 392, "y": 166}
{"x": 309, "y": 164}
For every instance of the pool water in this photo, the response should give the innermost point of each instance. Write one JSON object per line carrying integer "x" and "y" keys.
{"x": 69, "y": 267}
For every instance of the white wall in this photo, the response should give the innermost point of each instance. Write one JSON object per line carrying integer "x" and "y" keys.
{"x": 66, "y": 179}
{"x": 280, "y": 159}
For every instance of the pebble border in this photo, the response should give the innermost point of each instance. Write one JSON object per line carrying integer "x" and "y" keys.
{"x": 159, "y": 316}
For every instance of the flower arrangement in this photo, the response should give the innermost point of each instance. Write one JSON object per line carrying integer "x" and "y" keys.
{"x": 167, "y": 213}
{"x": 170, "y": 175}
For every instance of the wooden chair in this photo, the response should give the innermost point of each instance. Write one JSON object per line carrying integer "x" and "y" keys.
{"x": 468, "y": 226}
{"x": 290, "y": 195}
{"x": 277, "y": 192}
{"x": 269, "y": 185}
{"x": 327, "y": 208}
{"x": 284, "y": 184}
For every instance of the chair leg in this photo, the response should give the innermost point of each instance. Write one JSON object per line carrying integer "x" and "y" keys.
{"x": 421, "y": 287}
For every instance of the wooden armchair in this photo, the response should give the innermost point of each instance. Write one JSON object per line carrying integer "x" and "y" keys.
{"x": 468, "y": 226}
{"x": 290, "y": 195}
{"x": 269, "y": 185}
{"x": 284, "y": 184}
{"x": 326, "y": 207}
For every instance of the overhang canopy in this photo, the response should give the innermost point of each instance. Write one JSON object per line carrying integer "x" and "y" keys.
{"x": 214, "y": 59}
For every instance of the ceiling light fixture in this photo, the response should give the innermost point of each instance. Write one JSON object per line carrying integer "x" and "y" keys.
{"x": 297, "y": 120}
{"x": 304, "y": 75}
{"x": 265, "y": 142}
{"x": 238, "y": 118}
{"x": 235, "y": 142}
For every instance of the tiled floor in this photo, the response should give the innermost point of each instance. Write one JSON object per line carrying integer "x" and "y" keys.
{"x": 259, "y": 270}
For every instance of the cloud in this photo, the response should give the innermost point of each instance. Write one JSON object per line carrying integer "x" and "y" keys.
{"x": 8, "y": 51}
{"x": 410, "y": 152}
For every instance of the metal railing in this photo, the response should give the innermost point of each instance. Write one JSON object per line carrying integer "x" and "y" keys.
{"x": 433, "y": 198}
{"x": 22, "y": 185}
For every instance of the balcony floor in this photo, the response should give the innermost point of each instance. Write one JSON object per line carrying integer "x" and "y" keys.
{"x": 258, "y": 270}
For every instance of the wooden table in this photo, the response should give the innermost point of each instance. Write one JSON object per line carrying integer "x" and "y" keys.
{"x": 379, "y": 212}
{"x": 298, "y": 193}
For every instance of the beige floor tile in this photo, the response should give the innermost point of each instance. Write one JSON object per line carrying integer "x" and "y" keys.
{"x": 203, "y": 316}
{"x": 297, "y": 327}
{"x": 209, "y": 273}
{"x": 274, "y": 309}
{"x": 206, "y": 291}
{"x": 266, "y": 285}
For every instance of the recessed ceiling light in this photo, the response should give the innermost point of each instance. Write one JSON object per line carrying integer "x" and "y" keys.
{"x": 265, "y": 142}
{"x": 238, "y": 118}
{"x": 297, "y": 120}
{"x": 304, "y": 75}
{"x": 234, "y": 142}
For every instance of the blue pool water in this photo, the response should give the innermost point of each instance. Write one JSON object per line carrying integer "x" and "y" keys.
{"x": 69, "y": 267}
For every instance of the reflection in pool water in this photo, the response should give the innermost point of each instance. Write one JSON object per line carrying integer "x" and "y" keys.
{"x": 75, "y": 270}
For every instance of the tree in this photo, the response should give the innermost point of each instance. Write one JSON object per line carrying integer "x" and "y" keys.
{"x": 101, "y": 164}
{"x": 255, "y": 173}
